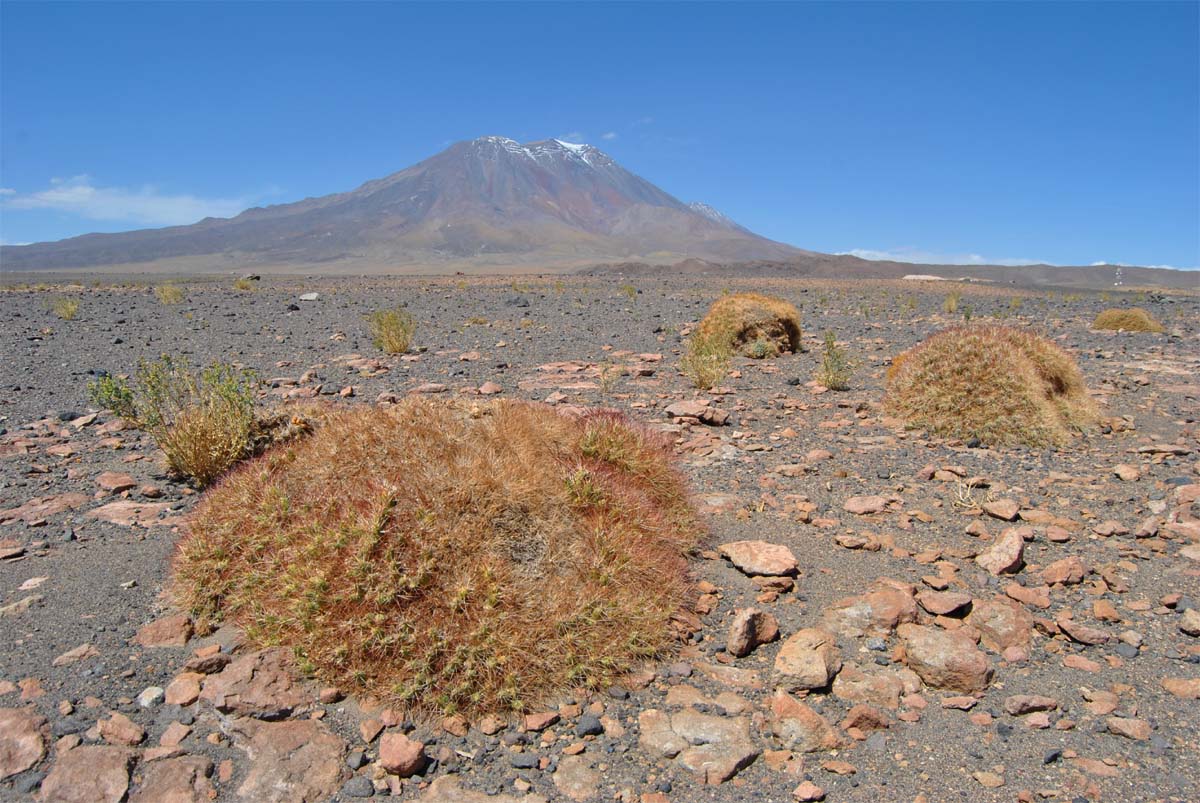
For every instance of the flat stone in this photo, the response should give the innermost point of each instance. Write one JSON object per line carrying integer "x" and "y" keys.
{"x": 184, "y": 689}
{"x": 1006, "y": 555}
{"x": 75, "y": 655}
{"x": 1002, "y": 624}
{"x": 1003, "y": 509}
{"x": 576, "y": 779}
{"x": 129, "y": 513}
{"x": 449, "y": 789}
{"x": 1067, "y": 571}
{"x": 1136, "y": 729}
{"x": 876, "y": 613}
{"x": 121, "y": 730}
{"x": 945, "y": 659}
{"x": 169, "y": 631}
{"x": 88, "y": 775}
{"x": 865, "y": 505}
{"x": 114, "y": 482}
{"x": 44, "y": 507}
{"x": 1080, "y": 632}
{"x": 799, "y": 727}
{"x": 809, "y": 659}
{"x": 760, "y": 558}
{"x": 258, "y": 684}
{"x": 1185, "y": 688}
{"x": 296, "y": 761}
{"x": 184, "y": 779}
{"x": 1021, "y": 704}
{"x": 943, "y": 603}
{"x": 713, "y": 747}
{"x": 23, "y": 734}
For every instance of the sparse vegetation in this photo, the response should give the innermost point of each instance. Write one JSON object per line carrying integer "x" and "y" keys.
{"x": 950, "y": 302}
{"x": 743, "y": 320}
{"x": 451, "y": 556}
{"x": 168, "y": 293}
{"x": 392, "y": 329}
{"x": 608, "y": 376}
{"x": 836, "y": 368}
{"x": 629, "y": 291}
{"x": 245, "y": 285}
{"x": 706, "y": 361}
{"x": 203, "y": 421}
{"x": 1127, "y": 320}
{"x": 65, "y": 308}
{"x": 1000, "y": 384}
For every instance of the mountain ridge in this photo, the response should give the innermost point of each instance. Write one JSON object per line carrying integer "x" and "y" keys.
{"x": 491, "y": 200}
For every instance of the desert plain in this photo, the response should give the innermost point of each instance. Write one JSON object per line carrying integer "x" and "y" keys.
{"x": 951, "y": 621}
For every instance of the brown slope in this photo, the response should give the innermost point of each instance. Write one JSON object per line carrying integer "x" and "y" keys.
{"x": 485, "y": 199}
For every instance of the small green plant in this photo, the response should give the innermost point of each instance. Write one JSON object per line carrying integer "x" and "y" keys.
{"x": 707, "y": 359}
{"x": 950, "y": 302}
{"x": 244, "y": 285}
{"x": 967, "y": 312}
{"x": 65, "y": 308}
{"x": 629, "y": 291}
{"x": 392, "y": 329}
{"x": 836, "y": 368}
{"x": 203, "y": 421}
{"x": 168, "y": 294}
{"x": 1014, "y": 303}
{"x": 761, "y": 348}
{"x": 608, "y": 377}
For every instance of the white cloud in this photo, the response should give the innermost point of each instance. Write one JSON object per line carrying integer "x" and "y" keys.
{"x": 1127, "y": 265}
{"x": 144, "y": 205}
{"x": 7, "y": 191}
{"x": 609, "y": 135}
{"x": 933, "y": 258}
{"x": 574, "y": 136}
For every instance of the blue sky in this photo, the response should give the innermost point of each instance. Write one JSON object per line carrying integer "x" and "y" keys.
{"x": 1065, "y": 132}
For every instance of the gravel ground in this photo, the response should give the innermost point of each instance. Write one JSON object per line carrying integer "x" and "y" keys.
{"x": 780, "y": 471}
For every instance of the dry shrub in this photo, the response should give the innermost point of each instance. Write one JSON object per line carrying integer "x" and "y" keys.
{"x": 450, "y": 557}
{"x": 65, "y": 308}
{"x": 202, "y": 420}
{"x": 759, "y": 326}
{"x": 1000, "y": 384}
{"x": 392, "y": 329}
{"x": 168, "y": 294}
{"x": 707, "y": 359}
{"x": 1127, "y": 320}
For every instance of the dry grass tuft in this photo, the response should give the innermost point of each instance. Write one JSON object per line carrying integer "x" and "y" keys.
{"x": 168, "y": 293}
{"x": 757, "y": 325}
{"x": 448, "y": 556}
{"x": 1127, "y": 320}
{"x": 203, "y": 420}
{"x": 392, "y": 329}
{"x": 245, "y": 285}
{"x": 1000, "y": 384}
{"x": 65, "y": 308}
{"x": 707, "y": 359}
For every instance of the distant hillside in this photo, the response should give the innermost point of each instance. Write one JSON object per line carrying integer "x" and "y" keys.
{"x": 489, "y": 203}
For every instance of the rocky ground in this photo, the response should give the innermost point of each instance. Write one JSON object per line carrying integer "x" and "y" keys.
{"x": 880, "y": 616}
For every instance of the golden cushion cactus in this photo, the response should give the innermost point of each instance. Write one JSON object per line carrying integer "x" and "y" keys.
{"x": 1127, "y": 320}
{"x": 449, "y": 556}
{"x": 1000, "y": 384}
{"x": 757, "y": 325}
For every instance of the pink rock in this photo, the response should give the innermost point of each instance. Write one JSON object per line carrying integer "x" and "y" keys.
{"x": 176, "y": 780}
{"x": 799, "y": 727}
{"x": 809, "y": 659}
{"x": 88, "y": 775}
{"x": 401, "y": 755}
{"x": 750, "y": 628}
{"x": 943, "y": 603}
{"x": 294, "y": 761}
{"x": 170, "y": 631}
{"x": 1004, "y": 509}
{"x": 865, "y": 505}
{"x": 945, "y": 659}
{"x": 1004, "y": 556}
{"x": 760, "y": 557}
{"x": 1068, "y": 571}
{"x": 114, "y": 482}
{"x": 23, "y": 734}
{"x": 72, "y": 656}
{"x": 490, "y": 388}
{"x": 259, "y": 684}
{"x": 121, "y": 730}
{"x": 1019, "y": 704}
